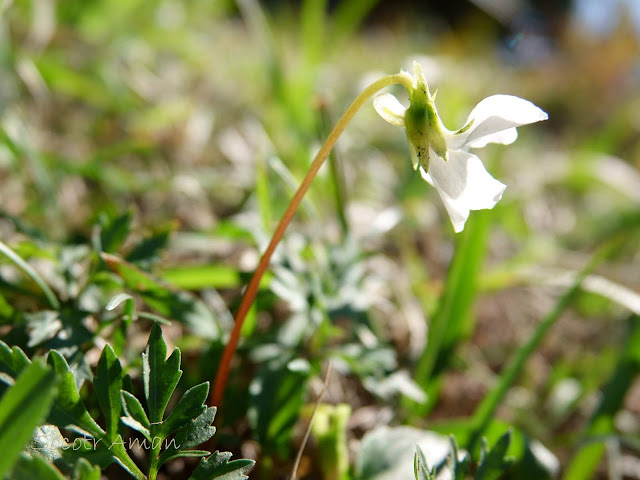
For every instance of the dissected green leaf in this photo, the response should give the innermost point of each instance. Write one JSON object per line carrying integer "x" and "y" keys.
{"x": 176, "y": 305}
{"x": 30, "y": 467}
{"x": 190, "y": 406}
{"x": 12, "y": 359}
{"x": 146, "y": 252}
{"x": 493, "y": 463}
{"x": 218, "y": 467}
{"x": 68, "y": 410}
{"x": 196, "y": 432}
{"x": 114, "y": 232}
{"x": 134, "y": 410}
{"x": 22, "y": 408}
{"x": 108, "y": 385}
{"x": 160, "y": 375}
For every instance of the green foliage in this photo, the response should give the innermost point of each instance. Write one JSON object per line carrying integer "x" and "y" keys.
{"x": 451, "y": 321}
{"x": 29, "y": 467}
{"x": 276, "y": 396}
{"x": 601, "y": 423}
{"x": 178, "y": 305}
{"x": 218, "y": 466}
{"x": 147, "y": 150}
{"x": 160, "y": 374}
{"x": 27, "y": 401}
{"x": 421, "y": 467}
{"x": 22, "y": 408}
{"x": 493, "y": 461}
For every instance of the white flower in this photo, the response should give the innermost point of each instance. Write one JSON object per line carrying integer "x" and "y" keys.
{"x": 443, "y": 156}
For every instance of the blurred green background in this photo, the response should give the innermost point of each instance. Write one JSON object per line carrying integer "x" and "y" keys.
{"x": 191, "y": 123}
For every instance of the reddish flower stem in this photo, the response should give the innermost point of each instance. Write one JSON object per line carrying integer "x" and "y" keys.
{"x": 252, "y": 289}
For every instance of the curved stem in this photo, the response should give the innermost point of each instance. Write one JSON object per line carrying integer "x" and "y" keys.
{"x": 401, "y": 78}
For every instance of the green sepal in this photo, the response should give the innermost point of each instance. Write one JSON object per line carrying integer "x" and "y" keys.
{"x": 423, "y": 126}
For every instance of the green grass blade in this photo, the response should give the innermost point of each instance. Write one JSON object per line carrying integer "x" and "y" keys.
{"x": 31, "y": 273}
{"x": 312, "y": 26}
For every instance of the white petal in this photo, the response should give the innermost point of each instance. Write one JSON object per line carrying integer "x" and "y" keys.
{"x": 493, "y": 115}
{"x": 463, "y": 184}
{"x": 389, "y": 108}
{"x": 505, "y": 137}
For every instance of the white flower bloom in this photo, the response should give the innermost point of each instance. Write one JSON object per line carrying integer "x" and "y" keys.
{"x": 443, "y": 156}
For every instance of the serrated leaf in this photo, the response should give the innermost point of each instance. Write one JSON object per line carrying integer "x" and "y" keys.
{"x": 218, "y": 467}
{"x": 68, "y": 411}
{"x": 160, "y": 375}
{"x": 85, "y": 471}
{"x": 190, "y": 406}
{"x": 137, "y": 426}
{"x": 198, "y": 431}
{"x": 493, "y": 463}
{"x": 108, "y": 385}
{"x": 22, "y": 408}
{"x": 12, "y": 360}
{"x": 29, "y": 467}
{"x": 136, "y": 418}
{"x": 134, "y": 409}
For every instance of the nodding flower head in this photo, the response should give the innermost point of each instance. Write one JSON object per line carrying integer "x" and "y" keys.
{"x": 443, "y": 157}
